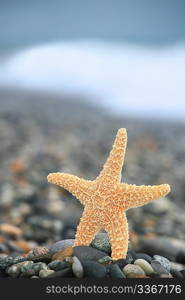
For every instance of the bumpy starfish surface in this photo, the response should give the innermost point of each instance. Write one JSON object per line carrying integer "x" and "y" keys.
{"x": 106, "y": 199}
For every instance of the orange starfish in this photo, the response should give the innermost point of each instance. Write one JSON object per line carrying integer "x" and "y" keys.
{"x": 106, "y": 199}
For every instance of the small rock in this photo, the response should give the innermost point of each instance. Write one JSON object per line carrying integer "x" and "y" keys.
{"x": 115, "y": 271}
{"x": 77, "y": 268}
{"x": 163, "y": 261}
{"x": 62, "y": 273}
{"x": 61, "y": 245}
{"x": 58, "y": 265}
{"x": 158, "y": 268}
{"x": 176, "y": 274}
{"x": 93, "y": 269}
{"x": 144, "y": 256}
{"x": 101, "y": 242}
{"x": 3, "y": 248}
{"x": 89, "y": 253}
{"x": 45, "y": 273}
{"x": 13, "y": 271}
{"x": 11, "y": 230}
{"x": 26, "y": 266}
{"x": 134, "y": 269}
{"x": 121, "y": 262}
{"x": 61, "y": 255}
{"x": 147, "y": 268}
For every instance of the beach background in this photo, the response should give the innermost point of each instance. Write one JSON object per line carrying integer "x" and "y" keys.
{"x": 71, "y": 74}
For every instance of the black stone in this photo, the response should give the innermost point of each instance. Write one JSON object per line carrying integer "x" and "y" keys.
{"x": 176, "y": 274}
{"x": 144, "y": 256}
{"x": 183, "y": 272}
{"x": 62, "y": 273}
{"x": 93, "y": 269}
{"x": 115, "y": 271}
{"x": 122, "y": 262}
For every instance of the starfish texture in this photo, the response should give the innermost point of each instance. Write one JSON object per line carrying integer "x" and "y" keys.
{"x": 106, "y": 199}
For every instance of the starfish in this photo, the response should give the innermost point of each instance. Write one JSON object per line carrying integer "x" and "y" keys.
{"x": 106, "y": 199}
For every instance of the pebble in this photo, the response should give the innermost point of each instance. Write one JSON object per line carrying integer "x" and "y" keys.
{"x": 105, "y": 260}
{"x": 26, "y": 266}
{"x": 77, "y": 268}
{"x": 45, "y": 273}
{"x": 134, "y": 269}
{"x": 163, "y": 261}
{"x": 13, "y": 271}
{"x": 101, "y": 242}
{"x": 93, "y": 269}
{"x": 147, "y": 268}
{"x": 176, "y": 274}
{"x": 115, "y": 271}
{"x": 89, "y": 253}
{"x": 58, "y": 265}
{"x": 121, "y": 262}
{"x": 61, "y": 255}
{"x": 62, "y": 273}
{"x": 158, "y": 268}
{"x": 144, "y": 256}
{"x": 61, "y": 245}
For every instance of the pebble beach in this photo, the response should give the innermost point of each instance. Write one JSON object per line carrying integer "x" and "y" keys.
{"x": 42, "y": 133}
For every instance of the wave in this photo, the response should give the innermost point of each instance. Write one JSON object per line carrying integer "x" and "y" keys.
{"x": 123, "y": 78}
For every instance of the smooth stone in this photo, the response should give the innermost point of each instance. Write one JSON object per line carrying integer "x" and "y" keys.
{"x": 147, "y": 268}
{"x": 58, "y": 265}
{"x": 62, "y": 273}
{"x": 45, "y": 273}
{"x": 101, "y": 242}
{"x": 166, "y": 276}
{"x": 158, "y": 268}
{"x": 163, "y": 261}
{"x": 93, "y": 269}
{"x": 177, "y": 266}
{"x": 77, "y": 268}
{"x": 115, "y": 271}
{"x": 13, "y": 271}
{"x": 133, "y": 269}
{"x": 89, "y": 253}
{"x": 61, "y": 245}
{"x": 144, "y": 256}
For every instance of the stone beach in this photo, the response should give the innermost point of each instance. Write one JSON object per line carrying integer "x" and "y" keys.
{"x": 41, "y": 134}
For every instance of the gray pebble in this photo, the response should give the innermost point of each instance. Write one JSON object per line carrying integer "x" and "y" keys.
{"x": 101, "y": 242}
{"x": 77, "y": 268}
{"x": 61, "y": 245}
{"x": 58, "y": 265}
{"x": 158, "y": 268}
{"x": 89, "y": 253}
{"x": 133, "y": 269}
{"x": 147, "y": 268}
{"x": 37, "y": 267}
{"x": 93, "y": 269}
{"x": 163, "y": 261}
{"x": 13, "y": 271}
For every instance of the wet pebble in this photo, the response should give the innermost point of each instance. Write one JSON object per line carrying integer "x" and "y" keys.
{"x": 101, "y": 242}
{"x": 57, "y": 265}
{"x": 89, "y": 253}
{"x": 77, "y": 268}
{"x": 158, "y": 268}
{"x": 115, "y": 271}
{"x": 163, "y": 261}
{"x": 147, "y": 268}
{"x": 13, "y": 271}
{"x": 93, "y": 269}
{"x": 134, "y": 269}
{"x": 37, "y": 267}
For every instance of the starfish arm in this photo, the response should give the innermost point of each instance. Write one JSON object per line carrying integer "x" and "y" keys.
{"x": 73, "y": 184}
{"x": 134, "y": 196}
{"x": 117, "y": 230}
{"x": 87, "y": 228}
{"x": 113, "y": 166}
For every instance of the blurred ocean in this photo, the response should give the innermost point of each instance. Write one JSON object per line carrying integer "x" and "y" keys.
{"x": 121, "y": 77}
